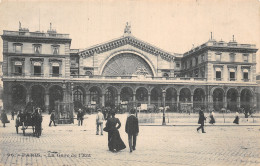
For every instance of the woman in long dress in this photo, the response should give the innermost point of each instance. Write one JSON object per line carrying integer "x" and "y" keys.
{"x": 236, "y": 121}
{"x": 212, "y": 119}
{"x": 115, "y": 142}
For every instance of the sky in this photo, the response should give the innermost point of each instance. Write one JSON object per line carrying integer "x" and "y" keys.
{"x": 172, "y": 25}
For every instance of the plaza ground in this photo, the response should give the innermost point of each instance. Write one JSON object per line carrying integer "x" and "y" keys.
{"x": 156, "y": 145}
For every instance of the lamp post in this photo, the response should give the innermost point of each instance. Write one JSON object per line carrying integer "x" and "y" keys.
{"x": 163, "y": 94}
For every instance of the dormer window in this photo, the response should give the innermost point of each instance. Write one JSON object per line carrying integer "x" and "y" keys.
{"x": 18, "y": 47}
{"x": 55, "y": 49}
{"x": 37, "y": 48}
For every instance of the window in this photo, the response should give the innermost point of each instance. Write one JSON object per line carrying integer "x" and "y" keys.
{"x": 55, "y": 49}
{"x": 37, "y": 68}
{"x": 37, "y": 49}
{"x": 190, "y": 63}
{"x": 55, "y": 69}
{"x": 165, "y": 75}
{"x": 245, "y": 57}
{"x": 88, "y": 73}
{"x": 18, "y": 47}
{"x": 232, "y": 74}
{"x": 202, "y": 58}
{"x": 18, "y": 69}
{"x": 218, "y": 74}
{"x": 245, "y": 75}
{"x": 177, "y": 65}
{"x": 196, "y": 60}
{"x": 218, "y": 57}
{"x": 232, "y": 57}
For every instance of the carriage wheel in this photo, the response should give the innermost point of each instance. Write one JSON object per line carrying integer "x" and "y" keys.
{"x": 16, "y": 129}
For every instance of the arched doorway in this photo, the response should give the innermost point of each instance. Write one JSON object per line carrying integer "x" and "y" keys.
{"x": 126, "y": 96}
{"x": 37, "y": 95}
{"x": 141, "y": 96}
{"x": 78, "y": 97}
{"x": 56, "y": 94}
{"x": 185, "y": 95}
{"x": 218, "y": 99}
{"x": 198, "y": 98}
{"x": 18, "y": 97}
{"x": 171, "y": 99}
{"x": 156, "y": 97}
{"x": 246, "y": 98}
{"x": 95, "y": 95}
{"x": 232, "y": 95}
{"x": 110, "y": 97}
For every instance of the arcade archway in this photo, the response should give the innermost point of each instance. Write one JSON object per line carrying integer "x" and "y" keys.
{"x": 18, "y": 97}
{"x": 37, "y": 95}
{"x": 218, "y": 99}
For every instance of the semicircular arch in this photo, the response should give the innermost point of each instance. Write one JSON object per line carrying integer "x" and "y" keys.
{"x": 145, "y": 61}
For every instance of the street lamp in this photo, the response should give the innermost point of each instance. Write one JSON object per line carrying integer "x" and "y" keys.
{"x": 164, "y": 94}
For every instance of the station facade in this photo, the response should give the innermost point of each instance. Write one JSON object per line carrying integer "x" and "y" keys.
{"x": 125, "y": 72}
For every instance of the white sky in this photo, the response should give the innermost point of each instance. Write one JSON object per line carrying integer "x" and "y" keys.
{"x": 172, "y": 25}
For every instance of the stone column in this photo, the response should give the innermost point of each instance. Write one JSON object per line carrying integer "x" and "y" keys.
{"x": 134, "y": 99}
{"x": 225, "y": 101}
{"x": 118, "y": 99}
{"x": 149, "y": 99}
{"x": 28, "y": 97}
{"x": 191, "y": 99}
{"x": 238, "y": 101}
{"x": 47, "y": 101}
{"x": 178, "y": 101}
{"x": 103, "y": 100}
{"x": 87, "y": 101}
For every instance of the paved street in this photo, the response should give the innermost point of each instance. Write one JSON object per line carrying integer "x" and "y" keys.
{"x": 156, "y": 145}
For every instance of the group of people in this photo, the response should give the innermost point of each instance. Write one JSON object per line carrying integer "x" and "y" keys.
{"x": 115, "y": 143}
{"x": 202, "y": 119}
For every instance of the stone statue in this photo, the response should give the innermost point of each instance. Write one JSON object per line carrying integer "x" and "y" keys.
{"x": 127, "y": 28}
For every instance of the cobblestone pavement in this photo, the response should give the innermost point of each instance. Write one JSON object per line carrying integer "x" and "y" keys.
{"x": 156, "y": 145}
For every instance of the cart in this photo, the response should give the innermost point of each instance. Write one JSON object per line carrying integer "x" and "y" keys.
{"x": 28, "y": 119}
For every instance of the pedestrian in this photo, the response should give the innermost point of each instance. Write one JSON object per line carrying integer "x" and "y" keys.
{"x": 115, "y": 142}
{"x": 12, "y": 113}
{"x": 202, "y": 118}
{"x": 132, "y": 129}
{"x": 52, "y": 118}
{"x": 99, "y": 122}
{"x": 80, "y": 117}
{"x": 212, "y": 118}
{"x": 37, "y": 118}
{"x": 236, "y": 121}
{"x": 4, "y": 118}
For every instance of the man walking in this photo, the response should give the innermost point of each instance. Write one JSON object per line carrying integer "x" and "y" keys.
{"x": 52, "y": 118}
{"x": 201, "y": 121}
{"x": 132, "y": 129}
{"x": 12, "y": 113}
{"x": 99, "y": 122}
{"x": 80, "y": 117}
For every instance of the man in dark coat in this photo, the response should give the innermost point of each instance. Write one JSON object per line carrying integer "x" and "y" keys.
{"x": 4, "y": 118}
{"x": 52, "y": 118}
{"x": 202, "y": 118}
{"x": 38, "y": 123}
{"x": 132, "y": 129}
{"x": 80, "y": 117}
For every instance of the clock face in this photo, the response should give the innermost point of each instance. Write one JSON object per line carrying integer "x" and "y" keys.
{"x": 126, "y": 64}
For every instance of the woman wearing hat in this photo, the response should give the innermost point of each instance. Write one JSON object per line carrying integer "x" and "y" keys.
{"x": 115, "y": 142}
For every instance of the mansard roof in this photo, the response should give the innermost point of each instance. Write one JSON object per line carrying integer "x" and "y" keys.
{"x": 124, "y": 40}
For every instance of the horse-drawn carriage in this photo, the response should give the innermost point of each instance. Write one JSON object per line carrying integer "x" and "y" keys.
{"x": 30, "y": 117}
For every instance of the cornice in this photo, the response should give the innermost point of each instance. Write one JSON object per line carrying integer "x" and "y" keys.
{"x": 124, "y": 41}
